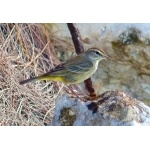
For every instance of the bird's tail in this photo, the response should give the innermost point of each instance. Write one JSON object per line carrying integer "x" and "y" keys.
{"x": 28, "y": 80}
{"x": 43, "y": 77}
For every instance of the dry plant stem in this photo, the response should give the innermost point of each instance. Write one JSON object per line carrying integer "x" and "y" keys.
{"x": 20, "y": 40}
{"x": 34, "y": 103}
{"x": 77, "y": 40}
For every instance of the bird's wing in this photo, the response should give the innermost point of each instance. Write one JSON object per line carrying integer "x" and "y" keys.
{"x": 79, "y": 66}
{"x": 59, "y": 70}
{"x": 73, "y": 65}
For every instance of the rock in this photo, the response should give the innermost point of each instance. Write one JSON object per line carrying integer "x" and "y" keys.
{"x": 129, "y": 43}
{"x": 112, "y": 108}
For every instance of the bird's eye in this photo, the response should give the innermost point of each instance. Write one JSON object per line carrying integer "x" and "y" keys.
{"x": 97, "y": 53}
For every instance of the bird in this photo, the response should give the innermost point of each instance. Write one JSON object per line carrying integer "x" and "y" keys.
{"x": 74, "y": 70}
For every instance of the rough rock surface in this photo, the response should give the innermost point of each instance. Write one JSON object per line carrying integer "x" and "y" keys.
{"x": 130, "y": 44}
{"x": 110, "y": 109}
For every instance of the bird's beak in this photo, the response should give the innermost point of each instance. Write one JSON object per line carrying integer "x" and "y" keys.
{"x": 105, "y": 55}
{"x": 108, "y": 57}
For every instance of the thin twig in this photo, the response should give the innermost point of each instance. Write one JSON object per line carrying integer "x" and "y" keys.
{"x": 78, "y": 44}
{"x": 76, "y": 38}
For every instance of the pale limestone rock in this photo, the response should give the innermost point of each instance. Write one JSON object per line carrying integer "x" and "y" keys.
{"x": 111, "y": 109}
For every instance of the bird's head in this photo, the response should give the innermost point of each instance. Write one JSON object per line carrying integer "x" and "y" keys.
{"x": 96, "y": 54}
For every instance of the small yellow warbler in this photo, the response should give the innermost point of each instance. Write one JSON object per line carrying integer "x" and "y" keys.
{"x": 75, "y": 70}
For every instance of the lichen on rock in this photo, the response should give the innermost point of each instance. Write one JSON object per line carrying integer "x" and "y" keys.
{"x": 113, "y": 108}
{"x": 67, "y": 116}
